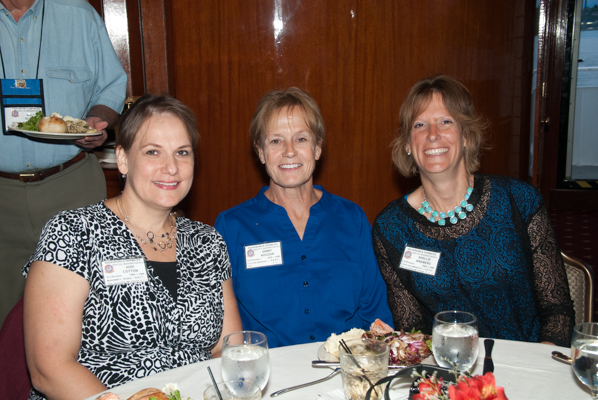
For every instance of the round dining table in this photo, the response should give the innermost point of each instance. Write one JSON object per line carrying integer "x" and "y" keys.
{"x": 527, "y": 371}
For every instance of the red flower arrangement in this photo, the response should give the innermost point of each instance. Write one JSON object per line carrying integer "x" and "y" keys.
{"x": 478, "y": 387}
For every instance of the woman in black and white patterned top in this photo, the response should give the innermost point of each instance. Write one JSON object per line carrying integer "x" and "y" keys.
{"x": 123, "y": 289}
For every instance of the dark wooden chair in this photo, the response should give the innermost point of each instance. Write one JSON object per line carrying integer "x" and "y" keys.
{"x": 14, "y": 375}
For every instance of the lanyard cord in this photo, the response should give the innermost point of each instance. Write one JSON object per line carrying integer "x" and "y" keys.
{"x": 39, "y": 51}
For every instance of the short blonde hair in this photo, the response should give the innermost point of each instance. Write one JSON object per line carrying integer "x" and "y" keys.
{"x": 276, "y": 100}
{"x": 458, "y": 102}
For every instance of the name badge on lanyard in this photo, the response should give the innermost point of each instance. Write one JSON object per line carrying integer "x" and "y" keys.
{"x": 263, "y": 255}
{"x": 20, "y": 99}
{"x": 420, "y": 260}
{"x": 119, "y": 272}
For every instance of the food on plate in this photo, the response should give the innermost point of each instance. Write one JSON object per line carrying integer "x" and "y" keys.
{"x": 149, "y": 393}
{"x": 172, "y": 391}
{"x": 52, "y": 124}
{"x": 169, "y": 392}
{"x": 55, "y": 123}
{"x": 379, "y": 328}
{"x": 404, "y": 348}
{"x": 76, "y": 125}
{"x": 332, "y": 342}
{"x": 32, "y": 123}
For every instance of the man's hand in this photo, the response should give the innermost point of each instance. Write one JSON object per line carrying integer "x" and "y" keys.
{"x": 90, "y": 142}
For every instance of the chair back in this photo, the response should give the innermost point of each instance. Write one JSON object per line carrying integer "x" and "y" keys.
{"x": 15, "y": 382}
{"x": 581, "y": 285}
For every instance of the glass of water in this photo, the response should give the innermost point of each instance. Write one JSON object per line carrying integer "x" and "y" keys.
{"x": 584, "y": 355}
{"x": 245, "y": 358}
{"x": 233, "y": 390}
{"x": 455, "y": 339}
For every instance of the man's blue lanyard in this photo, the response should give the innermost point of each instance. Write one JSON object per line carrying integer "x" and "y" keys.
{"x": 39, "y": 50}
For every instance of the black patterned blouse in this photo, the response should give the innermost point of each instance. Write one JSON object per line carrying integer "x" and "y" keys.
{"x": 133, "y": 330}
{"x": 502, "y": 263}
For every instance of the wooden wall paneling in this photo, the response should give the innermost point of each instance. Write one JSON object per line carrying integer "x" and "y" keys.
{"x": 551, "y": 50}
{"x": 557, "y": 31}
{"x": 122, "y": 20}
{"x": 541, "y": 90}
{"x": 117, "y": 24}
{"x": 153, "y": 36}
{"x": 358, "y": 60}
{"x": 137, "y": 30}
{"x": 137, "y": 75}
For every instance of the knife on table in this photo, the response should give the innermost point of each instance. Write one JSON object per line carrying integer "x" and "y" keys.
{"x": 488, "y": 363}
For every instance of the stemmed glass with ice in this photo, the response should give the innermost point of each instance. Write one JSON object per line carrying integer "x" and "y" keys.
{"x": 245, "y": 357}
{"x": 455, "y": 339}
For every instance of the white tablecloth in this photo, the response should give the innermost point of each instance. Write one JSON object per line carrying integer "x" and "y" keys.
{"x": 525, "y": 370}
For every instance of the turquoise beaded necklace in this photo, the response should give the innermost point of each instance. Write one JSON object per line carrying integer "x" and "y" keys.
{"x": 459, "y": 211}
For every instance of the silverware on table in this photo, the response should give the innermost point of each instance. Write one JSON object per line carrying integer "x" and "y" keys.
{"x": 278, "y": 393}
{"x": 557, "y": 355}
{"x": 488, "y": 363}
{"x": 318, "y": 363}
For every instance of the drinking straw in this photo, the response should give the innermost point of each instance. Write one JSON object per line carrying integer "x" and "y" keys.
{"x": 348, "y": 351}
{"x": 214, "y": 382}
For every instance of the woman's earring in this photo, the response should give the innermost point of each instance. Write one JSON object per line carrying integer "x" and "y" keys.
{"x": 124, "y": 176}
{"x": 408, "y": 153}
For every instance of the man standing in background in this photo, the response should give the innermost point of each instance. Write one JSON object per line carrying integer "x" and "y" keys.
{"x": 63, "y": 48}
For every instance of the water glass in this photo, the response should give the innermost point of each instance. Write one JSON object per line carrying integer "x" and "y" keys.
{"x": 365, "y": 365}
{"x": 245, "y": 357}
{"x": 233, "y": 390}
{"x": 455, "y": 339}
{"x": 584, "y": 355}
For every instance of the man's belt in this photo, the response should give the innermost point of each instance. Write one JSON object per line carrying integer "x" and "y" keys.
{"x": 44, "y": 173}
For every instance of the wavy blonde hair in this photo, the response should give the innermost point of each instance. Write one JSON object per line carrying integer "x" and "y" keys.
{"x": 276, "y": 100}
{"x": 458, "y": 102}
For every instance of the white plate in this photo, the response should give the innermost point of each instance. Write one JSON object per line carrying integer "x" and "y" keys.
{"x": 49, "y": 135}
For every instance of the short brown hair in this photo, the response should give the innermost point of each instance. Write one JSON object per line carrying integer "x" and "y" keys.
{"x": 458, "y": 102}
{"x": 275, "y": 101}
{"x": 150, "y": 106}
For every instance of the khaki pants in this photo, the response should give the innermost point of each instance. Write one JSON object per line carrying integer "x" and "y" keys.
{"x": 26, "y": 207}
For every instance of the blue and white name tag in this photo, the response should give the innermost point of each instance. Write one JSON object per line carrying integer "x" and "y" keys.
{"x": 20, "y": 99}
{"x": 263, "y": 255}
{"x": 420, "y": 260}
{"x": 129, "y": 270}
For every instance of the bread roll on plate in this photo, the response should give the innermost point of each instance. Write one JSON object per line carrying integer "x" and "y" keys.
{"x": 53, "y": 124}
{"x": 150, "y": 393}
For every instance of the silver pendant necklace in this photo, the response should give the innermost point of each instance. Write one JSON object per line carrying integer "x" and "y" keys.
{"x": 159, "y": 243}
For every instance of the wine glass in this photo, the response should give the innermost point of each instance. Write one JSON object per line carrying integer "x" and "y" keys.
{"x": 455, "y": 339}
{"x": 584, "y": 355}
{"x": 245, "y": 357}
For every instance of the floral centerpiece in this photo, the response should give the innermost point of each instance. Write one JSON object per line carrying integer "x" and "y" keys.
{"x": 478, "y": 387}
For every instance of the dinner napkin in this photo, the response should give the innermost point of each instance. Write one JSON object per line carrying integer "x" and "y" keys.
{"x": 339, "y": 394}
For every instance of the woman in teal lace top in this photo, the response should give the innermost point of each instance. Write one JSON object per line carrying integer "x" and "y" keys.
{"x": 497, "y": 256}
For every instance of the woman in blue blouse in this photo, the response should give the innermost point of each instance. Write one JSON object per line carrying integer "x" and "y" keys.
{"x": 476, "y": 243}
{"x": 302, "y": 258}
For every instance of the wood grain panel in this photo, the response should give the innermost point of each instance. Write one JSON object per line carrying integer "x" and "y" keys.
{"x": 358, "y": 59}
{"x": 153, "y": 29}
{"x": 117, "y": 24}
